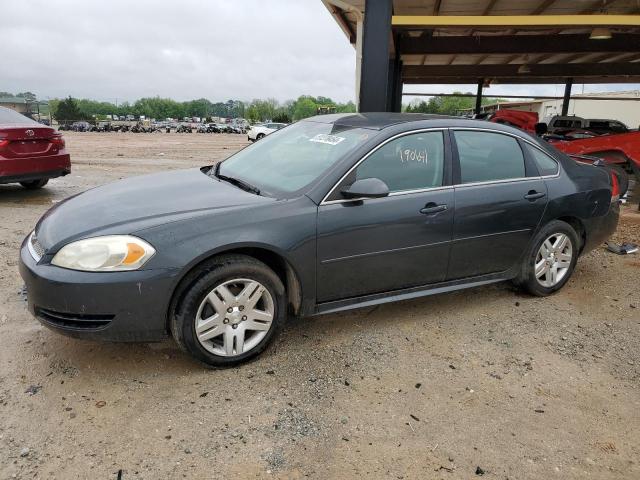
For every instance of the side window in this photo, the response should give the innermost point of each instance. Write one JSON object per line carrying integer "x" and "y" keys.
{"x": 486, "y": 156}
{"x": 546, "y": 164}
{"x": 411, "y": 162}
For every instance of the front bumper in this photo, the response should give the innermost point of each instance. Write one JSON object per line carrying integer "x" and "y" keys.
{"x": 113, "y": 306}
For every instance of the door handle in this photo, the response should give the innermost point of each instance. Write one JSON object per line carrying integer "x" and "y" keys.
{"x": 533, "y": 195}
{"x": 431, "y": 208}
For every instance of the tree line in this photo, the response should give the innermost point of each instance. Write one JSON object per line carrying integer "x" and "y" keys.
{"x": 447, "y": 105}
{"x": 257, "y": 110}
{"x": 161, "y": 108}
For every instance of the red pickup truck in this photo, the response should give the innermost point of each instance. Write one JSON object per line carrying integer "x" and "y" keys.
{"x": 30, "y": 153}
{"x": 621, "y": 150}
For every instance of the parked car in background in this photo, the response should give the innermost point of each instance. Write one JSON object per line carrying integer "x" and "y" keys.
{"x": 30, "y": 153}
{"x": 332, "y": 213}
{"x": 598, "y": 126}
{"x": 81, "y": 126}
{"x": 256, "y": 132}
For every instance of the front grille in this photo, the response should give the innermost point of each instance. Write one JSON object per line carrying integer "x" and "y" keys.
{"x": 35, "y": 248}
{"x": 82, "y": 321}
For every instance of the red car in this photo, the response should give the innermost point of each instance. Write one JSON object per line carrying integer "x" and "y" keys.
{"x": 30, "y": 153}
{"x": 620, "y": 151}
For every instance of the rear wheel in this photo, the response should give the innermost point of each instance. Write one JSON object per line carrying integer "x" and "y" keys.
{"x": 550, "y": 262}
{"x": 35, "y": 184}
{"x": 231, "y": 312}
{"x": 259, "y": 136}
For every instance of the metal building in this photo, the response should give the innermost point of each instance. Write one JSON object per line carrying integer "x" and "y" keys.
{"x": 483, "y": 42}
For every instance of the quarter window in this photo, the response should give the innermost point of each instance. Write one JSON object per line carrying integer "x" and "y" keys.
{"x": 546, "y": 164}
{"x": 411, "y": 162}
{"x": 486, "y": 156}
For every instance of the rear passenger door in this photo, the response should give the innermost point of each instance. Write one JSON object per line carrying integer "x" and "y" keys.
{"x": 499, "y": 201}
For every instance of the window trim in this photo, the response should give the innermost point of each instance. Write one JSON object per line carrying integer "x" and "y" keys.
{"x": 533, "y": 160}
{"x": 453, "y": 160}
{"x": 518, "y": 138}
{"x": 458, "y": 164}
{"x": 447, "y": 158}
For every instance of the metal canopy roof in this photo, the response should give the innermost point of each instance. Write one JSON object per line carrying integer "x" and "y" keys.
{"x": 508, "y": 41}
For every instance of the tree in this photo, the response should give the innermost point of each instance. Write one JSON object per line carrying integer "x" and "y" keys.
{"x": 67, "y": 109}
{"x": 28, "y": 96}
{"x": 304, "y": 107}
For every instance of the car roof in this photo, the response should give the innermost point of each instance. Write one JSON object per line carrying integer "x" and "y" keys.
{"x": 381, "y": 120}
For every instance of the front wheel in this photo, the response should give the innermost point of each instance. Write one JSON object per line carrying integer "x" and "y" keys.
{"x": 35, "y": 184}
{"x": 549, "y": 264}
{"x": 231, "y": 312}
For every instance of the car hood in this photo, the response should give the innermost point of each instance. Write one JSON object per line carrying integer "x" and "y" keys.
{"x": 137, "y": 203}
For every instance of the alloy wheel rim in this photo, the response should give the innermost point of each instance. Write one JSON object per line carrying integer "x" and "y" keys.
{"x": 553, "y": 260}
{"x": 234, "y": 317}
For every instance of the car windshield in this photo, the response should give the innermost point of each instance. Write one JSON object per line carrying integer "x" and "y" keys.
{"x": 292, "y": 157}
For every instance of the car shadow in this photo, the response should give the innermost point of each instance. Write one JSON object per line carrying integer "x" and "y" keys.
{"x": 17, "y": 194}
{"x": 140, "y": 359}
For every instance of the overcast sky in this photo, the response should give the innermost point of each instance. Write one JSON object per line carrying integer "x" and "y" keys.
{"x": 185, "y": 49}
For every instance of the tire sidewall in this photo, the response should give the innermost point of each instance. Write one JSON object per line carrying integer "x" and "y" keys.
{"x": 528, "y": 278}
{"x": 185, "y": 317}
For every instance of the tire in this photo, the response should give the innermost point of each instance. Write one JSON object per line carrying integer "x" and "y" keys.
{"x": 195, "y": 310}
{"x": 527, "y": 278}
{"x": 259, "y": 136}
{"x": 35, "y": 184}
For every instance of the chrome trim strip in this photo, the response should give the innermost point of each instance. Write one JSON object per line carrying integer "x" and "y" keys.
{"x": 382, "y": 252}
{"x": 462, "y": 239}
{"x": 447, "y": 187}
{"x": 514, "y": 136}
{"x": 392, "y": 194}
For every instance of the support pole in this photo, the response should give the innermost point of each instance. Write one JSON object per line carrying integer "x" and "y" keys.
{"x": 397, "y": 103}
{"x": 394, "y": 86}
{"x": 567, "y": 97}
{"x": 479, "y": 96}
{"x": 374, "y": 72}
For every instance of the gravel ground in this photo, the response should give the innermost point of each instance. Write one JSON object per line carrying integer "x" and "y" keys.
{"x": 486, "y": 382}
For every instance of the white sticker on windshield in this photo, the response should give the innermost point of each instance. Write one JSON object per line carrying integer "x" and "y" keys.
{"x": 328, "y": 139}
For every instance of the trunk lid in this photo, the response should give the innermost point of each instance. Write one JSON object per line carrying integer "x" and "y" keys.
{"x": 18, "y": 141}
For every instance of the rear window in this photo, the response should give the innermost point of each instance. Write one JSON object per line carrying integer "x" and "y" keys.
{"x": 567, "y": 123}
{"x": 8, "y": 116}
{"x": 546, "y": 164}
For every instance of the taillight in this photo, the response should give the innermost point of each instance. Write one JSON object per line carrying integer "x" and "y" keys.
{"x": 615, "y": 187}
{"x": 3, "y": 142}
{"x": 58, "y": 141}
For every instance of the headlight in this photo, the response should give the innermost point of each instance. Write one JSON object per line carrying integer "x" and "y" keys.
{"x": 104, "y": 254}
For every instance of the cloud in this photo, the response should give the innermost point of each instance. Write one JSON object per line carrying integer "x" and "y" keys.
{"x": 183, "y": 49}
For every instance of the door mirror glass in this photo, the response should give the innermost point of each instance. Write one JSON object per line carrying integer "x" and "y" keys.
{"x": 366, "y": 188}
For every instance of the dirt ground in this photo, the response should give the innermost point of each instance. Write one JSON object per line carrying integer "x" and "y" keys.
{"x": 485, "y": 382}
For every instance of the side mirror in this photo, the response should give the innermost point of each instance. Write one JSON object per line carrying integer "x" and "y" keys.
{"x": 366, "y": 188}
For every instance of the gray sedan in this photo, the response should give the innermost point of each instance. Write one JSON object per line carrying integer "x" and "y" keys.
{"x": 332, "y": 213}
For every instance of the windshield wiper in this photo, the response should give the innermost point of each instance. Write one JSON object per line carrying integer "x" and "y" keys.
{"x": 239, "y": 183}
